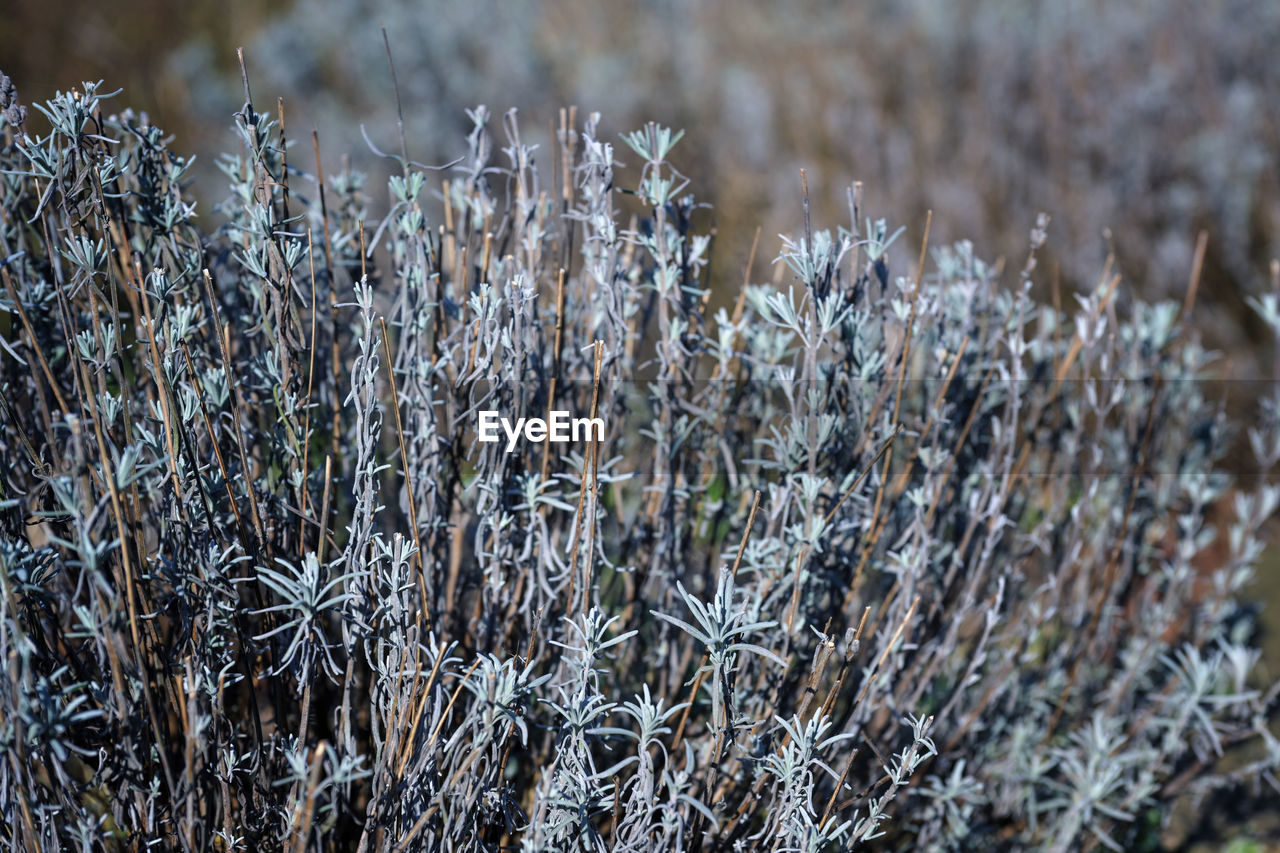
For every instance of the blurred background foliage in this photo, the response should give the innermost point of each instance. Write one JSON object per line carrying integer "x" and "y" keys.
{"x": 1136, "y": 124}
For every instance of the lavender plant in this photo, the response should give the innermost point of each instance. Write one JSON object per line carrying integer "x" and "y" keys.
{"x": 867, "y": 557}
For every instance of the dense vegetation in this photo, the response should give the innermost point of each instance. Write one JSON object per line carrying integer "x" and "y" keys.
{"x": 868, "y": 553}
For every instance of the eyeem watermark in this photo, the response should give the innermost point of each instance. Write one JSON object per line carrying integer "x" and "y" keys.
{"x": 559, "y": 427}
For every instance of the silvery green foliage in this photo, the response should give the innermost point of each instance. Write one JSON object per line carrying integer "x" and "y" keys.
{"x": 869, "y": 557}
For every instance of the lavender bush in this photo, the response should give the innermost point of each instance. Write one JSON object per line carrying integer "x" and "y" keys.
{"x": 870, "y": 557}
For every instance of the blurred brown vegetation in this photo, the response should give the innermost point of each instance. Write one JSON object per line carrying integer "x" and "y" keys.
{"x": 51, "y": 45}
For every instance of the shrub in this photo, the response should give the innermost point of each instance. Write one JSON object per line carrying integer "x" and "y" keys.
{"x": 864, "y": 555}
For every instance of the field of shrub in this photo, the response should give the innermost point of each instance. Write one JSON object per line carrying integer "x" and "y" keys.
{"x": 877, "y": 550}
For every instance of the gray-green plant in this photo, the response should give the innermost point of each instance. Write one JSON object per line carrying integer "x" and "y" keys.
{"x": 872, "y": 556}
